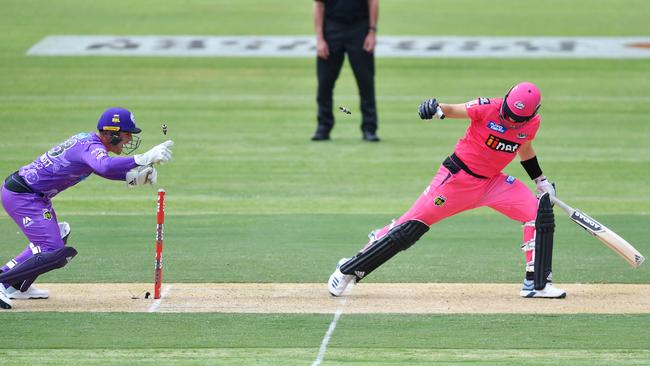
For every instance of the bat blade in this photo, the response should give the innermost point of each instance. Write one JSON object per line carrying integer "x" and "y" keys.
{"x": 621, "y": 246}
{"x": 603, "y": 233}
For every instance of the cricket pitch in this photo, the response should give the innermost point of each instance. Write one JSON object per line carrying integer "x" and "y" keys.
{"x": 364, "y": 298}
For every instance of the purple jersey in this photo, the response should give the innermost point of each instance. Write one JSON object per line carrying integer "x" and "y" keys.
{"x": 71, "y": 162}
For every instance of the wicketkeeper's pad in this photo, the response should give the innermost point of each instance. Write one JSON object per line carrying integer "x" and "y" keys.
{"x": 38, "y": 264}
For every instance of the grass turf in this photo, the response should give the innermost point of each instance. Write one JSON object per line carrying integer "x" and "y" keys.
{"x": 247, "y": 190}
{"x": 113, "y": 338}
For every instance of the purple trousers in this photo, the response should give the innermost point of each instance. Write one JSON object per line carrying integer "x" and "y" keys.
{"x": 36, "y": 218}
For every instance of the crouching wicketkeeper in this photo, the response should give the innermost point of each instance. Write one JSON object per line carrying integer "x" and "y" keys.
{"x": 27, "y": 194}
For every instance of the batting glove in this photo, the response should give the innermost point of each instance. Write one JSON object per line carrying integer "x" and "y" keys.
{"x": 158, "y": 154}
{"x": 543, "y": 185}
{"x": 428, "y": 108}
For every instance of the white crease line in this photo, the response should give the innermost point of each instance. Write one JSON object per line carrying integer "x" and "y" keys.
{"x": 337, "y": 315}
{"x": 157, "y": 303}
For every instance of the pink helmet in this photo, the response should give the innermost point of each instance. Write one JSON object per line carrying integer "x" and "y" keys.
{"x": 521, "y": 103}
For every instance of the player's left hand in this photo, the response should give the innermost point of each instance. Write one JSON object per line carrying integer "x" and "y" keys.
{"x": 543, "y": 185}
{"x": 141, "y": 175}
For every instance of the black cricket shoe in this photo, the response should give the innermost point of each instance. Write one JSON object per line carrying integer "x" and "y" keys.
{"x": 370, "y": 137}
{"x": 321, "y": 136}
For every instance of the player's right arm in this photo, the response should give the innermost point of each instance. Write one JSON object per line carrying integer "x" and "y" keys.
{"x": 429, "y": 108}
{"x": 102, "y": 164}
{"x": 454, "y": 110}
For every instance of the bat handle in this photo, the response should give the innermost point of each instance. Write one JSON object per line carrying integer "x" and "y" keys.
{"x": 568, "y": 209}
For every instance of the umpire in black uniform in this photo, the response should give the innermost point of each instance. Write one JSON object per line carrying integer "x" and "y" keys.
{"x": 346, "y": 26}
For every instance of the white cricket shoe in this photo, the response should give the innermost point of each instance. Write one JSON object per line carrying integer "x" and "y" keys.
{"x": 549, "y": 291}
{"x": 5, "y": 302}
{"x": 338, "y": 281}
{"x": 31, "y": 293}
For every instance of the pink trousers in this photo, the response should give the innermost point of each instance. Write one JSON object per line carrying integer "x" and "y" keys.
{"x": 449, "y": 194}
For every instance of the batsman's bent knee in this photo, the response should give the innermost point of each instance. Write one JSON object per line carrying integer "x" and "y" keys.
{"x": 399, "y": 238}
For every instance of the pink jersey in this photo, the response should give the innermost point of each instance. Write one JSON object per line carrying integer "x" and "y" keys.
{"x": 488, "y": 145}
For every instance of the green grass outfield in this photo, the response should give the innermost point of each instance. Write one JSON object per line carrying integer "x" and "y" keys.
{"x": 251, "y": 199}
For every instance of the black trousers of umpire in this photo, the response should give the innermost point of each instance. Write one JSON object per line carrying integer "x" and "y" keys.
{"x": 341, "y": 39}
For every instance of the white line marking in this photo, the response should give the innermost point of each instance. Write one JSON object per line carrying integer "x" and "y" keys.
{"x": 330, "y": 330}
{"x": 157, "y": 303}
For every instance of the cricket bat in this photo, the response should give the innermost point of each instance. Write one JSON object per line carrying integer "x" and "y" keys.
{"x": 603, "y": 233}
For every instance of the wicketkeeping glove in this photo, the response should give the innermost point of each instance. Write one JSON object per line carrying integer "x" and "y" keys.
{"x": 158, "y": 154}
{"x": 543, "y": 185}
{"x": 141, "y": 175}
{"x": 428, "y": 108}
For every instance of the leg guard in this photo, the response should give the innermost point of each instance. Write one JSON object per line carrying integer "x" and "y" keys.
{"x": 24, "y": 285}
{"x": 37, "y": 265}
{"x": 528, "y": 247}
{"x": 544, "y": 226}
{"x": 397, "y": 239}
{"x": 64, "y": 229}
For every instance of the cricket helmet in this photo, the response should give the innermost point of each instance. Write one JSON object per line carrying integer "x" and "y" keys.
{"x": 521, "y": 104}
{"x": 116, "y": 120}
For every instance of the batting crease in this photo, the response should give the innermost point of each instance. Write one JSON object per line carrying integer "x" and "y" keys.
{"x": 330, "y": 330}
{"x": 157, "y": 303}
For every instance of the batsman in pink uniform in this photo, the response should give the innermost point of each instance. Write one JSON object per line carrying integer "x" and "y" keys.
{"x": 471, "y": 177}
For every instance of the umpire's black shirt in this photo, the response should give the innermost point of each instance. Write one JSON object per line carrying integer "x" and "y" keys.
{"x": 345, "y": 11}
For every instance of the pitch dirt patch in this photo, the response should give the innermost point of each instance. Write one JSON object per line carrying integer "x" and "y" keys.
{"x": 406, "y": 298}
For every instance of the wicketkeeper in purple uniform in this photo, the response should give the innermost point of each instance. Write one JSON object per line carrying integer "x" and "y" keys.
{"x": 27, "y": 194}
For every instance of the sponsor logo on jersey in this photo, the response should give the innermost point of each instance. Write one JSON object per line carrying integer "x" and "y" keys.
{"x": 99, "y": 153}
{"x": 31, "y": 175}
{"x": 521, "y": 135}
{"x": 586, "y": 221}
{"x": 499, "y": 144}
{"x": 440, "y": 200}
{"x": 510, "y": 179}
{"x": 47, "y": 215}
{"x": 496, "y": 127}
{"x": 471, "y": 103}
{"x": 27, "y": 221}
{"x": 82, "y": 135}
{"x": 36, "y": 249}
{"x": 479, "y": 101}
